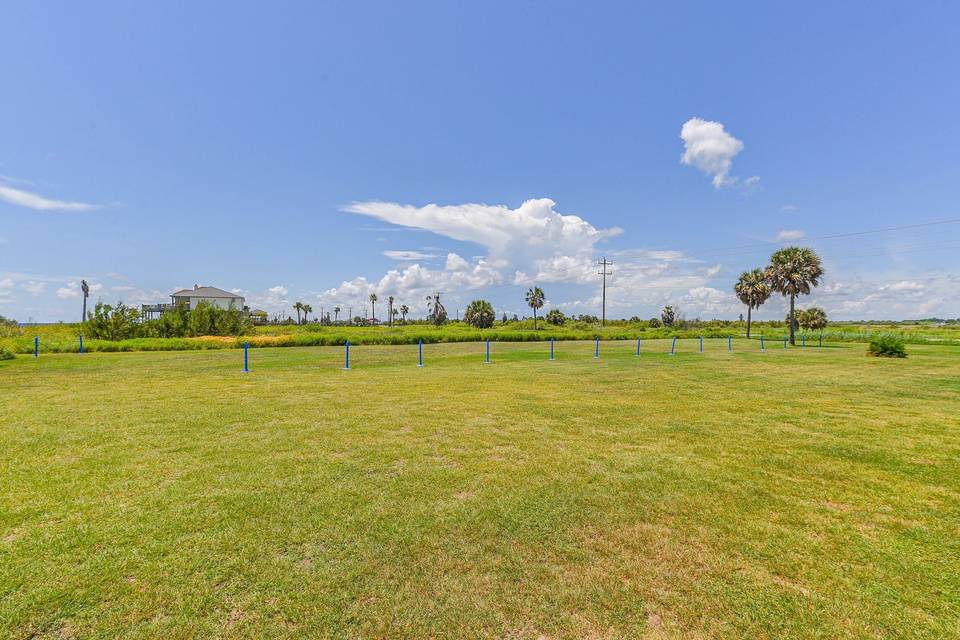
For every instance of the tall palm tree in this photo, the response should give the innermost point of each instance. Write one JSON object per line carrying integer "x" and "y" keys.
{"x": 373, "y": 305}
{"x": 307, "y": 309}
{"x": 336, "y": 314}
{"x": 535, "y": 300}
{"x": 753, "y": 290}
{"x": 404, "y": 310}
{"x": 390, "y": 309}
{"x": 792, "y": 272}
{"x": 85, "y": 289}
{"x": 298, "y": 306}
{"x": 438, "y": 313}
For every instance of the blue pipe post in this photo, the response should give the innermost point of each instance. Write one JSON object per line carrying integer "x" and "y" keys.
{"x": 784, "y": 342}
{"x": 729, "y": 343}
{"x": 551, "y": 348}
{"x": 346, "y": 345}
{"x": 673, "y": 346}
{"x": 420, "y": 356}
{"x": 487, "y": 361}
{"x": 638, "y": 347}
{"x": 803, "y": 341}
{"x": 596, "y": 348}
{"x": 701, "y": 344}
{"x": 762, "y": 348}
{"x": 36, "y": 346}
{"x": 81, "y": 343}
{"x": 246, "y": 360}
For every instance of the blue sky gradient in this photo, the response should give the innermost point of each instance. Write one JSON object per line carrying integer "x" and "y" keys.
{"x": 247, "y": 146}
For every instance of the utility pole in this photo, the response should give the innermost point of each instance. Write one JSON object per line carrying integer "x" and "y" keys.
{"x": 603, "y": 264}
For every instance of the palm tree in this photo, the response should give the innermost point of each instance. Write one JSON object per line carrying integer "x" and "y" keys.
{"x": 298, "y": 306}
{"x": 404, "y": 310}
{"x": 390, "y": 309}
{"x": 85, "y": 289}
{"x": 535, "y": 300}
{"x": 307, "y": 309}
{"x": 437, "y": 311}
{"x": 336, "y": 314}
{"x": 373, "y": 305}
{"x": 753, "y": 290}
{"x": 792, "y": 272}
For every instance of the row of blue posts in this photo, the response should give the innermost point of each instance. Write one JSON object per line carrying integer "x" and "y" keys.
{"x": 596, "y": 349}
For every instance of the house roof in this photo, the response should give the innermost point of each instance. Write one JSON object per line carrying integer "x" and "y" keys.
{"x": 204, "y": 292}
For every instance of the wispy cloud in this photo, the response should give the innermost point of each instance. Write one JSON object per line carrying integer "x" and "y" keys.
{"x": 790, "y": 235}
{"x": 409, "y": 256}
{"x": 37, "y": 202}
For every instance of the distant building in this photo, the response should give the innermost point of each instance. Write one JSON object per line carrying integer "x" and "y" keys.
{"x": 211, "y": 295}
{"x": 190, "y": 298}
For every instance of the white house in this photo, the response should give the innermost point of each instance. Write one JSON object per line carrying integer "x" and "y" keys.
{"x": 211, "y": 295}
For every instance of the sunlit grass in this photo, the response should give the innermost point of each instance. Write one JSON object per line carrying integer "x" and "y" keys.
{"x": 797, "y": 493}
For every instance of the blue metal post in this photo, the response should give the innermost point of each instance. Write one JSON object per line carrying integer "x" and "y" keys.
{"x": 701, "y": 344}
{"x": 420, "y": 361}
{"x": 551, "y": 348}
{"x": 487, "y": 361}
{"x": 81, "y": 343}
{"x": 346, "y": 345}
{"x": 673, "y": 346}
{"x": 784, "y": 342}
{"x": 246, "y": 360}
{"x": 729, "y": 343}
{"x": 36, "y": 346}
{"x": 638, "y": 347}
{"x": 803, "y": 341}
{"x": 821, "y": 340}
{"x": 762, "y": 348}
{"x": 596, "y": 348}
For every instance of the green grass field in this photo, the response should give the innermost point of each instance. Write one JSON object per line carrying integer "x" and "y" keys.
{"x": 801, "y": 493}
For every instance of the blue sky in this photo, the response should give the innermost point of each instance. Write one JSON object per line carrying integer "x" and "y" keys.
{"x": 292, "y": 152}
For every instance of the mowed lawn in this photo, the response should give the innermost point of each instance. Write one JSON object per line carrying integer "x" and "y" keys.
{"x": 803, "y": 493}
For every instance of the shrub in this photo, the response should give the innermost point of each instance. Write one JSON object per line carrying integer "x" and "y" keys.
{"x": 556, "y": 317}
{"x": 479, "y": 314}
{"x": 887, "y": 345}
{"x": 668, "y": 316}
{"x": 6, "y": 353}
{"x": 653, "y": 323}
{"x": 8, "y": 327}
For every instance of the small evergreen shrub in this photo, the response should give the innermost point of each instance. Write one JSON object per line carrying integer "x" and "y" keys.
{"x": 6, "y": 353}
{"x": 887, "y": 345}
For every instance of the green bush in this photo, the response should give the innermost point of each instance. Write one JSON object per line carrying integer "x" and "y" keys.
{"x": 887, "y": 345}
{"x": 6, "y": 353}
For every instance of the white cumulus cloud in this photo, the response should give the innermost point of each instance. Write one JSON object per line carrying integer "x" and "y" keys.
{"x": 710, "y": 148}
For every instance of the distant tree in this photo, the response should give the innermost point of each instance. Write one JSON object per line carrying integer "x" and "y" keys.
{"x": 438, "y": 314}
{"x": 793, "y": 271}
{"x": 668, "y": 316}
{"x": 390, "y": 310}
{"x": 813, "y": 319}
{"x": 336, "y": 314}
{"x": 535, "y": 299}
{"x": 555, "y": 317}
{"x": 307, "y": 310}
{"x": 479, "y": 314}
{"x": 404, "y": 310}
{"x": 373, "y": 306}
{"x": 753, "y": 290}
{"x": 504, "y": 318}
{"x": 653, "y": 323}
{"x": 298, "y": 307}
